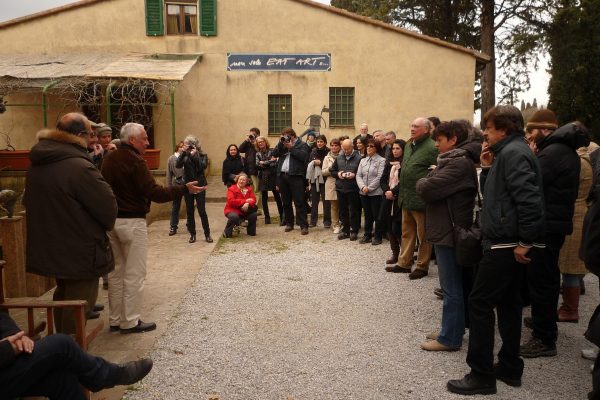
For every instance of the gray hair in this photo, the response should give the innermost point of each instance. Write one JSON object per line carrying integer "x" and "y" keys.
{"x": 193, "y": 140}
{"x": 130, "y": 129}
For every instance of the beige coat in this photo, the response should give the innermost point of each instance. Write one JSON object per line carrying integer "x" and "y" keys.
{"x": 330, "y": 193}
{"x": 569, "y": 261}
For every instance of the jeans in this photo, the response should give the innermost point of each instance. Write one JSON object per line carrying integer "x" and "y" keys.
{"x": 371, "y": 206}
{"x": 56, "y": 369}
{"x": 314, "y": 199}
{"x": 201, "y": 205}
{"x": 497, "y": 286}
{"x": 175, "y": 213}
{"x": 543, "y": 282}
{"x": 453, "y": 309}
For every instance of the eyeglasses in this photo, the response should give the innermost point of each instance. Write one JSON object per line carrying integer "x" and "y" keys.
{"x": 90, "y": 134}
{"x": 416, "y": 126}
{"x": 370, "y": 145}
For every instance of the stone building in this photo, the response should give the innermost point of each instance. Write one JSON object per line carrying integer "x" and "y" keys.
{"x": 215, "y": 68}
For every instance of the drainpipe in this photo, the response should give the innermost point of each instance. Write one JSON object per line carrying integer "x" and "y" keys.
{"x": 109, "y": 103}
{"x": 45, "y": 101}
{"x": 173, "y": 139}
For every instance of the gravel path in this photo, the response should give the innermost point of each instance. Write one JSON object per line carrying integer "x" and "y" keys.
{"x": 284, "y": 316}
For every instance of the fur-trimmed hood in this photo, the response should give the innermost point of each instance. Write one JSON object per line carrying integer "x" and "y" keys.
{"x": 54, "y": 145}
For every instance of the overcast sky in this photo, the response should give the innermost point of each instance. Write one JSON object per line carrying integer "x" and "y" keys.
{"x": 10, "y": 9}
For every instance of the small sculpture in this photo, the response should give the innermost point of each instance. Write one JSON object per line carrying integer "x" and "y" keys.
{"x": 8, "y": 198}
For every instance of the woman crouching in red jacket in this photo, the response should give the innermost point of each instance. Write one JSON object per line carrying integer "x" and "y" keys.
{"x": 241, "y": 204}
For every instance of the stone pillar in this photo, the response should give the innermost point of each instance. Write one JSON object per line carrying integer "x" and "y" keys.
{"x": 12, "y": 234}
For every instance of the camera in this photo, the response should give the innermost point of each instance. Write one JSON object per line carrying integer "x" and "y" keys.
{"x": 251, "y": 137}
{"x": 190, "y": 147}
{"x": 285, "y": 139}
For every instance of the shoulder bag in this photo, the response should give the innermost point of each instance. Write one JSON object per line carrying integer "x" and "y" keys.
{"x": 467, "y": 241}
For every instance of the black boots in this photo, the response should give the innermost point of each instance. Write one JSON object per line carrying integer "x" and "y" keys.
{"x": 192, "y": 238}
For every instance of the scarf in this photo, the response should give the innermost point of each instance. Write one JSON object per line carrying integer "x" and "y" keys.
{"x": 394, "y": 174}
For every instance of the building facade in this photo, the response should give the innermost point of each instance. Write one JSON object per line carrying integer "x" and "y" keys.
{"x": 261, "y": 63}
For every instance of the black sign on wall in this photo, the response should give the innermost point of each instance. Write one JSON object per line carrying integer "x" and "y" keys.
{"x": 278, "y": 62}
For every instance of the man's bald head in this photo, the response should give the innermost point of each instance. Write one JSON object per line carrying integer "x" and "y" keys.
{"x": 74, "y": 123}
{"x": 347, "y": 146}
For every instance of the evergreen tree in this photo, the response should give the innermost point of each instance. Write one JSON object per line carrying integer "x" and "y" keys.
{"x": 511, "y": 32}
{"x": 575, "y": 66}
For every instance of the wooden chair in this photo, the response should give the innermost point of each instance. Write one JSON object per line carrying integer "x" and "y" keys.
{"x": 32, "y": 303}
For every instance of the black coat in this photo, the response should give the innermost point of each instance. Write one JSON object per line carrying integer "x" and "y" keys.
{"x": 451, "y": 187}
{"x": 231, "y": 167}
{"x": 298, "y": 155}
{"x": 70, "y": 207}
{"x": 318, "y": 154}
{"x": 513, "y": 196}
{"x": 267, "y": 170}
{"x": 7, "y": 328}
{"x": 193, "y": 167}
{"x": 247, "y": 147}
{"x": 341, "y": 164}
{"x": 560, "y": 175}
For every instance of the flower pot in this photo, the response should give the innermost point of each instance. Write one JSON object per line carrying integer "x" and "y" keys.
{"x": 16, "y": 160}
{"x": 152, "y": 158}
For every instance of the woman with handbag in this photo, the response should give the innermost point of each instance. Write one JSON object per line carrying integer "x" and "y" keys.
{"x": 449, "y": 192}
{"x": 241, "y": 204}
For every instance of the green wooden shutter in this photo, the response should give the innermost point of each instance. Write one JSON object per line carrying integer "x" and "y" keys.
{"x": 208, "y": 17}
{"x": 154, "y": 18}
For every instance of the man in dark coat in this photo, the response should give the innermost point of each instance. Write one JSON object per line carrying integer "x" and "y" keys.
{"x": 512, "y": 223}
{"x": 69, "y": 210}
{"x": 56, "y": 367}
{"x": 291, "y": 178}
{"x": 560, "y": 165}
{"x": 344, "y": 168}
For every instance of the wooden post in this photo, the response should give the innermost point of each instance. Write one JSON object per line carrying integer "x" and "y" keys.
{"x": 13, "y": 247}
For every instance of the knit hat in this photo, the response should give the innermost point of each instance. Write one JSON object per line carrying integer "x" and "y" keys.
{"x": 542, "y": 119}
{"x": 311, "y": 133}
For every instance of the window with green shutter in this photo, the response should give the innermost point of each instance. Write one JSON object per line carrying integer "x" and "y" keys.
{"x": 341, "y": 106}
{"x": 154, "y": 18}
{"x": 280, "y": 112}
{"x": 208, "y": 17}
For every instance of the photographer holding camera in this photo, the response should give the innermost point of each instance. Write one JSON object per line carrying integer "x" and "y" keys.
{"x": 194, "y": 162}
{"x": 248, "y": 147}
{"x": 291, "y": 171}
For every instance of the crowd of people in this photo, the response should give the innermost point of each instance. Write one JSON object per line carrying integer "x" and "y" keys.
{"x": 525, "y": 186}
{"x": 523, "y": 190}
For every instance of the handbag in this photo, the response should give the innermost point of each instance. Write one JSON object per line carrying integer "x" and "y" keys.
{"x": 467, "y": 241}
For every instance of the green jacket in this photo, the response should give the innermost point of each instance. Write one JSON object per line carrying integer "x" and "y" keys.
{"x": 415, "y": 165}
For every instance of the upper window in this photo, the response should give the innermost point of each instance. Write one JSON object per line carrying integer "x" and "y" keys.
{"x": 280, "y": 112}
{"x": 341, "y": 106}
{"x": 182, "y": 19}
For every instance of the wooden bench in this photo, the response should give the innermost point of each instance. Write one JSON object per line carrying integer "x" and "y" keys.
{"x": 32, "y": 303}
